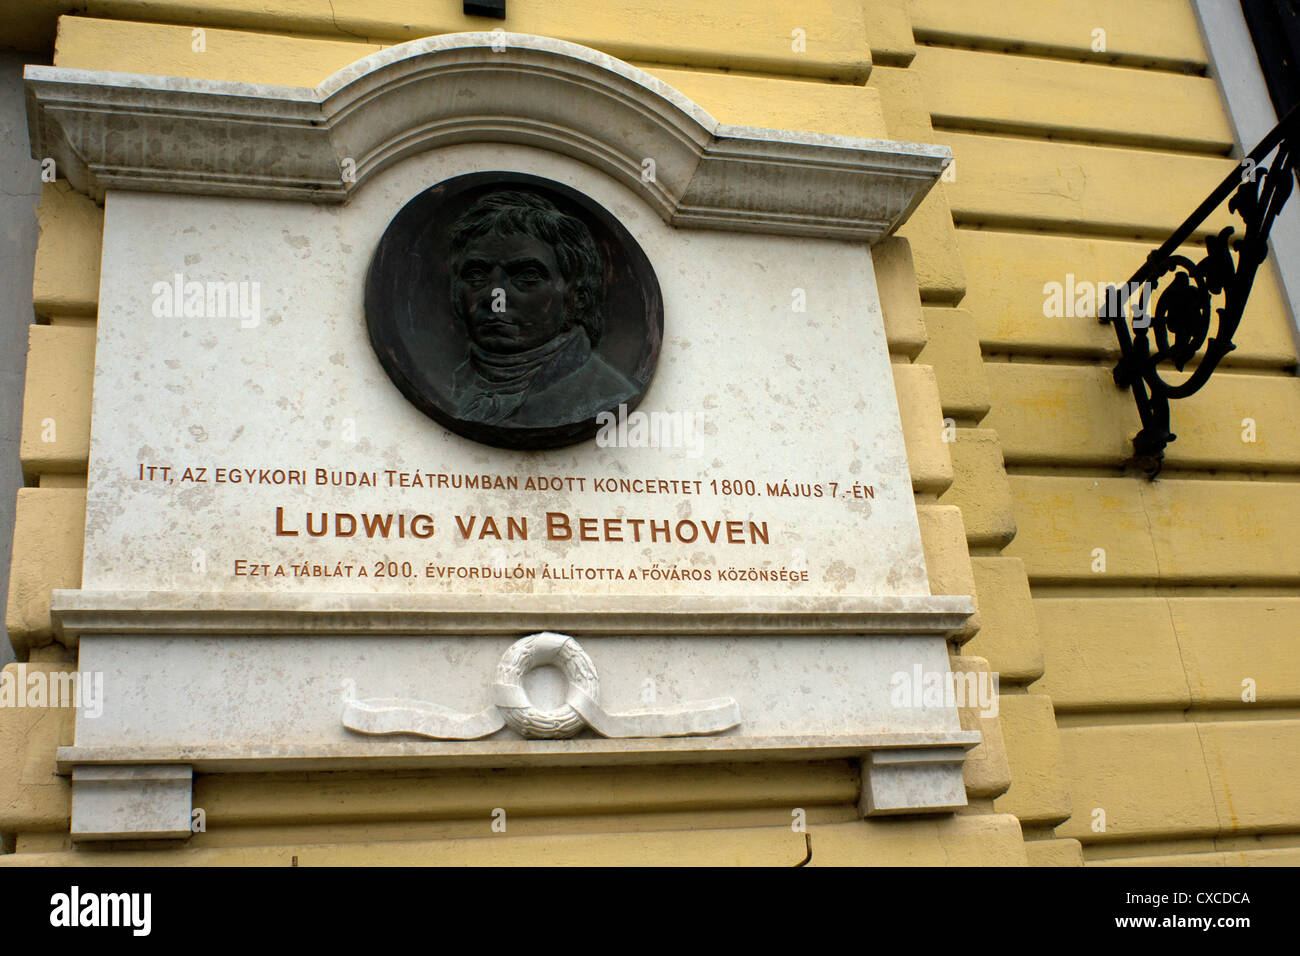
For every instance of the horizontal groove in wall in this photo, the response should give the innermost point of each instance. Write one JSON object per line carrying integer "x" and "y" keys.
{"x": 938, "y": 38}
{"x": 1034, "y": 135}
{"x": 1168, "y": 473}
{"x": 1108, "y": 362}
{"x": 1194, "y": 715}
{"x": 1078, "y": 230}
{"x": 1019, "y": 228}
{"x": 1189, "y": 846}
{"x": 1101, "y": 590}
{"x": 934, "y": 299}
{"x": 897, "y": 61}
{"x": 1074, "y": 229}
{"x": 1022, "y": 229}
{"x": 1050, "y": 134}
{"x": 651, "y": 65}
{"x": 1066, "y": 355}
{"x": 1267, "y": 583}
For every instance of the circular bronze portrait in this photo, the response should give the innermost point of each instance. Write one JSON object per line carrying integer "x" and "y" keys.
{"x": 513, "y": 310}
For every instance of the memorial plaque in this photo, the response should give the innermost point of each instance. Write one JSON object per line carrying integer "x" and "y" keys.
{"x": 569, "y": 437}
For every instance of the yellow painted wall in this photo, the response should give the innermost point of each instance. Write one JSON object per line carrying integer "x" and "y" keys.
{"x": 1071, "y": 159}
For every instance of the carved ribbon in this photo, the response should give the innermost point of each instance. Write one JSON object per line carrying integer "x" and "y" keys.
{"x": 397, "y": 715}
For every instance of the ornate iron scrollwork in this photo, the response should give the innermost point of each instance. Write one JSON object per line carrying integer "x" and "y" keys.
{"x": 1177, "y": 329}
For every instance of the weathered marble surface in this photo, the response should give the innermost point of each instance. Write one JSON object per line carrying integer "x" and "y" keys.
{"x": 134, "y": 801}
{"x": 780, "y": 396}
{"x": 257, "y": 692}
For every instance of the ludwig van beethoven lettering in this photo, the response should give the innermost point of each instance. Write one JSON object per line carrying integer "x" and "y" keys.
{"x": 558, "y": 527}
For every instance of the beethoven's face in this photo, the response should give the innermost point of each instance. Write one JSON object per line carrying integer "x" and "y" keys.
{"x": 528, "y": 311}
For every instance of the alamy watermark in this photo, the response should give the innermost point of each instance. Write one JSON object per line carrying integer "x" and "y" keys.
{"x": 53, "y": 689}
{"x": 1074, "y": 299}
{"x": 651, "y": 430}
{"x": 964, "y": 689}
{"x": 192, "y": 299}
{"x": 76, "y": 908}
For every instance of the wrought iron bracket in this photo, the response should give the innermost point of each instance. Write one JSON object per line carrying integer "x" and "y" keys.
{"x": 1188, "y": 295}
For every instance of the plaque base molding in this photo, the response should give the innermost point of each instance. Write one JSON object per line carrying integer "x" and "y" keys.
{"x": 122, "y": 793}
{"x": 213, "y": 683}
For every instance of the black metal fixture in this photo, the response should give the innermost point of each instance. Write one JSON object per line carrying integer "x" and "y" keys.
{"x": 485, "y": 8}
{"x": 1174, "y": 332}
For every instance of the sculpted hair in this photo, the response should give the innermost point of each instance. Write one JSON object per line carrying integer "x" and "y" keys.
{"x": 508, "y": 213}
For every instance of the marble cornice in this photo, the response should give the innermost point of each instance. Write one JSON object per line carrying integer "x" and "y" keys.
{"x": 109, "y": 131}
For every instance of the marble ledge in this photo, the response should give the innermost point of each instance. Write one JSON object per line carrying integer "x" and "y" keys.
{"x": 173, "y": 613}
{"x": 945, "y": 747}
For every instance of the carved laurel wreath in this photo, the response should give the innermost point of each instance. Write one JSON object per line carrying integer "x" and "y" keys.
{"x": 578, "y": 669}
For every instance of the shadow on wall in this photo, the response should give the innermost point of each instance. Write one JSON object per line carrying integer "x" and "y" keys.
{"x": 20, "y": 192}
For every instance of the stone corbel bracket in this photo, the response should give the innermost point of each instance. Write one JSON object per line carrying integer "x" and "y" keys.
{"x": 109, "y": 130}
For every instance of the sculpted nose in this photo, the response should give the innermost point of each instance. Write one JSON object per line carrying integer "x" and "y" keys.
{"x": 496, "y": 279}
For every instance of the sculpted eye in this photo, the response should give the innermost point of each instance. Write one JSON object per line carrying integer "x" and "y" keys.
{"x": 529, "y": 275}
{"x": 473, "y": 275}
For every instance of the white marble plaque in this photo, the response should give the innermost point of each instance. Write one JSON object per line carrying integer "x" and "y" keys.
{"x": 223, "y": 445}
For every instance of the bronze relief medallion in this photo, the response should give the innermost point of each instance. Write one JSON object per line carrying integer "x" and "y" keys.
{"x": 513, "y": 310}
